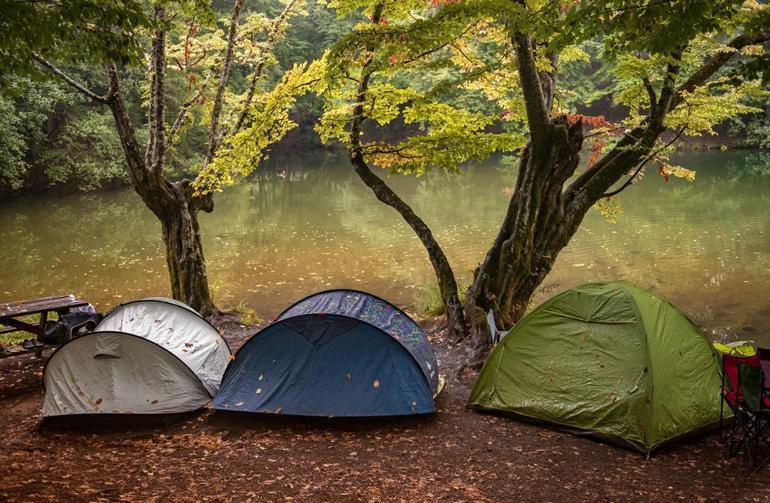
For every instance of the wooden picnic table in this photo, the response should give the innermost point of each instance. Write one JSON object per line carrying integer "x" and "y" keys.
{"x": 12, "y": 311}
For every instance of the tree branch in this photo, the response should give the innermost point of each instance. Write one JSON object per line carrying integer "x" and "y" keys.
{"x": 714, "y": 63}
{"x": 650, "y": 93}
{"x": 69, "y": 80}
{"x": 157, "y": 142}
{"x": 548, "y": 80}
{"x": 216, "y": 109}
{"x": 537, "y": 113}
{"x": 363, "y": 88}
{"x": 658, "y": 114}
{"x": 647, "y": 159}
{"x": 271, "y": 36}
{"x": 183, "y": 111}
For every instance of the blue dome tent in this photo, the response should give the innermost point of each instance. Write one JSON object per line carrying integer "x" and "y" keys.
{"x": 339, "y": 353}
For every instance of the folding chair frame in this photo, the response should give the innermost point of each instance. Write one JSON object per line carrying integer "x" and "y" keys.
{"x": 751, "y": 380}
{"x": 742, "y": 425}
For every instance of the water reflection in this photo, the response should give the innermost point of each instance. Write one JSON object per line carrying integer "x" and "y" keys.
{"x": 305, "y": 226}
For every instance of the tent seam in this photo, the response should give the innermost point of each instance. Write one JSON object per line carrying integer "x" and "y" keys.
{"x": 643, "y": 332}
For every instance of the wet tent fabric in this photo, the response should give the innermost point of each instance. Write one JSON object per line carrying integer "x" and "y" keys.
{"x": 605, "y": 358}
{"x": 379, "y": 313}
{"x": 327, "y": 365}
{"x": 313, "y": 361}
{"x": 177, "y": 328}
{"x": 168, "y": 300}
{"x": 118, "y": 373}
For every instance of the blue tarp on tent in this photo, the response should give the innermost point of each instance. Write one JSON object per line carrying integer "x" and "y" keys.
{"x": 336, "y": 353}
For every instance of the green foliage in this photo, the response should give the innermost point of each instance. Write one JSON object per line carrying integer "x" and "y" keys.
{"x": 51, "y": 135}
{"x": 755, "y": 131}
{"x": 610, "y": 208}
{"x": 13, "y": 166}
{"x": 444, "y": 87}
{"x": 722, "y": 98}
{"x": 99, "y": 156}
{"x": 269, "y": 121}
{"x": 714, "y": 104}
{"x": 67, "y": 138}
{"x": 654, "y": 27}
{"x": 70, "y": 31}
{"x": 585, "y": 80}
{"x": 423, "y": 73}
{"x": 428, "y": 65}
{"x": 22, "y": 138}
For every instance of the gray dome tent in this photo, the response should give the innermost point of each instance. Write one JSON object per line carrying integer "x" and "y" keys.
{"x": 119, "y": 373}
{"x": 152, "y": 356}
{"x": 178, "y": 328}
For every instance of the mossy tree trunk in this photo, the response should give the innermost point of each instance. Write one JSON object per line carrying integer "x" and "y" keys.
{"x": 545, "y": 211}
{"x": 184, "y": 256}
{"x": 173, "y": 203}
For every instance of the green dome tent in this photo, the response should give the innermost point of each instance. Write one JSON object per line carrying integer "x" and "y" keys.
{"x": 607, "y": 359}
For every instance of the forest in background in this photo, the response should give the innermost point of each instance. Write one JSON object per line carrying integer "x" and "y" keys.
{"x": 53, "y": 138}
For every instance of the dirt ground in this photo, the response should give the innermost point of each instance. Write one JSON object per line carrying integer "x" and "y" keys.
{"x": 454, "y": 455}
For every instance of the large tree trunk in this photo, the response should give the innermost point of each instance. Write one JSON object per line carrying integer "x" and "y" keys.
{"x": 534, "y": 230}
{"x": 542, "y": 216}
{"x": 174, "y": 204}
{"x": 184, "y": 256}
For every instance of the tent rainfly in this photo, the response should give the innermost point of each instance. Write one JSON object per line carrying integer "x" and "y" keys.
{"x": 151, "y": 356}
{"x": 336, "y": 353}
{"x": 607, "y": 359}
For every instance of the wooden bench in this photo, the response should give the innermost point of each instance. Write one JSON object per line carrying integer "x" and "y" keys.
{"x": 12, "y": 311}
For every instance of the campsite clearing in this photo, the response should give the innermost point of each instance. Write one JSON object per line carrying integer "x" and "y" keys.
{"x": 455, "y": 455}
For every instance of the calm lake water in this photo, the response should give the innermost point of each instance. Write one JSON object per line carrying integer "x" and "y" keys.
{"x": 304, "y": 226}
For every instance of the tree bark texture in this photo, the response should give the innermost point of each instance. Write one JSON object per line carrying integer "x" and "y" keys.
{"x": 184, "y": 256}
{"x": 174, "y": 204}
{"x": 543, "y": 216}
{"x": 534, "y": 229}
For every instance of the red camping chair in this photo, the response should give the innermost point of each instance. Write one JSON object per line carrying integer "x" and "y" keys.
{"x": 741, "y": 427}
